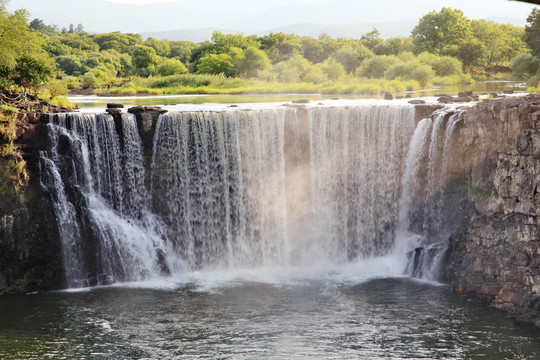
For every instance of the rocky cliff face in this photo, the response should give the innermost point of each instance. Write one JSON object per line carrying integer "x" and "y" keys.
{"x": 496, "y": 253}
{"x": 29, "y": 244}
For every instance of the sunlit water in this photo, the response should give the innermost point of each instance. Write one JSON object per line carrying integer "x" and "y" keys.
{"x": 101, "y": 102}
{"x": 274, "y": 313}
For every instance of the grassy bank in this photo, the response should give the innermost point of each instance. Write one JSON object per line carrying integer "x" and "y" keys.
{"x": 219, "y": 84}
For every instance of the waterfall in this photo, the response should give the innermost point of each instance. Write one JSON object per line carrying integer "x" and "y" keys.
{"x": 356, "y": 164}
{"x": 248, "y": 188}
{"x": 218, "y": 181}
{"x": 426, "y": 182}
{"x": 107, "y": 232}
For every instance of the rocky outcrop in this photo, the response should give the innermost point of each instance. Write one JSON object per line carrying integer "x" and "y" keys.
{"x": 496, "y": 253}
{"x": 30, "y": 249}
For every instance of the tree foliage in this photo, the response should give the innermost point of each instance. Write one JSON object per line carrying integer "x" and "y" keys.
{"x": 532, "y": 32}
{"x": 144, "y": 60}
{"x": 441, "y": 32}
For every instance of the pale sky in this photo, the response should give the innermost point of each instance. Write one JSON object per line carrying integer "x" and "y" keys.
{"x": 250, "y": 16}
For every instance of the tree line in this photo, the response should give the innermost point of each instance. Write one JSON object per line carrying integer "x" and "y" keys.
{"x": 444, "y": 43}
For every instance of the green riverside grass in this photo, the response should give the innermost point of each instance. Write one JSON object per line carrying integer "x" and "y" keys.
{"x": 219, "y": 84}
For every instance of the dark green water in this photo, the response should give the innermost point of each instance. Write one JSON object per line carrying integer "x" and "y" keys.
{"x": 237, "y": 319}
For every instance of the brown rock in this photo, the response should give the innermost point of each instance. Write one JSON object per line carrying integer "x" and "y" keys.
{"x": 114, "y": 106}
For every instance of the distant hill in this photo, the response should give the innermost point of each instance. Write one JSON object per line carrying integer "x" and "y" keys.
{"x": 196, "y": 17}
{"x": 402, "y": 28}
{"x": 390, "y": 29}
{"x": 195, "y": 35}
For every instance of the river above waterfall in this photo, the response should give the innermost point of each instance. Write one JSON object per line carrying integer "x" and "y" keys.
{"x": 264, "y": 314}
{"x": 94, "y": 101}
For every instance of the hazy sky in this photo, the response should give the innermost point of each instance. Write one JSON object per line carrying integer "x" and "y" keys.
{"x": 252, "y": 15}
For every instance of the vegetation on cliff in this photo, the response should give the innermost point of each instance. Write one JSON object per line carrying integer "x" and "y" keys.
{"x": 13, "y": 173}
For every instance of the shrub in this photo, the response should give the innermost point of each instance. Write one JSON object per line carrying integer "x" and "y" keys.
{"x": 401, "y": 70}
{"x": 315, "y": 75}
{"x": 524, "y": 66}
{"x": 424, "y": 75}
{"x": 376, "y": 66}
{"x": 446, "y": 65}
{"x": 171, "y": 67}
{"x": 333, "y": 69}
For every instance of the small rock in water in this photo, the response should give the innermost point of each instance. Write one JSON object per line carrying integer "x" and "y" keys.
{"x": 301, "y": 101}
{"x": 233, "y": 105}
{"x": 508, "y": 91}
{"x": 417, "y": 102}
{"x": 388, "y": 96}
{"x": 335, "y": 98}
{"x": 114, "y": 106}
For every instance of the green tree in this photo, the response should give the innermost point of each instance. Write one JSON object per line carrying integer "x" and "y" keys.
{"x": 162, "y": 47}
{"x": 280, "y": 46}
{"x": 33, "y": 70}
{"x": 333, "y": 69}
{"x": 532, "y": 32}
{"x": 375, "y": 67}
{"x": 442, "y": 32}
{"x": 123, "y": 43}
{"x": 216, "y": 64}
{"x": 372, "y": 39}
{"x": 312, "y": 49}
{"x": 182, "y": 50}
{"x": 524, "y": 66}
{"x": 472, "y": 54}
{"x": 502, "y": 42}
{"x": 15, "y": 37}
{"x": 252, "y": 61}
{"x": 144, "y": 60}
{"x": 351, "y": 57}
{"x": 70, "y": 64}
{"x": 39, "y": 26}
{"x": 171, "y": 67}
{"x": 394, "y": 46}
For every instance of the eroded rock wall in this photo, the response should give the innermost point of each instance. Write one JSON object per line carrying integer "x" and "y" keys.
{"x": 496, "y": 253}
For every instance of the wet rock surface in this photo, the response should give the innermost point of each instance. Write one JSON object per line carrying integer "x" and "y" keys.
{"x": 496, "y": 254}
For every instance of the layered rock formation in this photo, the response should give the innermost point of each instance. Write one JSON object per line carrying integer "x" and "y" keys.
{"x": 496, "y": 253}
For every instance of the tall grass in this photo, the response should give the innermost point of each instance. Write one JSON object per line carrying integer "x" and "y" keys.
{"x": 219, "y": 84}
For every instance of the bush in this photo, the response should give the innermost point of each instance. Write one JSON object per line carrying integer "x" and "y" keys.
{"x": 376, "y": 66}
{"x": 71, "y": 82}
{"x": 424, "y": 75}
{"x": 524, "y": 66}
{"x": 446, "y": 65}
{"x": 267, "y": 75}
{"x": 315, "y": 75}
{"x": 55, "y": 88}
{"x": 171, "y": 67}
{"x": 401, "y": 70}
{"x": 333, "y": 69}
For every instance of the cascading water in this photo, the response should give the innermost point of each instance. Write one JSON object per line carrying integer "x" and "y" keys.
{"x": 243, "y": 189}
{"x": 105, "y": 228}
{"x": 218, "y": 181}
{"x": 432, "y": 145}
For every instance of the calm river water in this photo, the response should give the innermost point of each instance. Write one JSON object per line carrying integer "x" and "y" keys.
{"x": 261, "y": 315}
